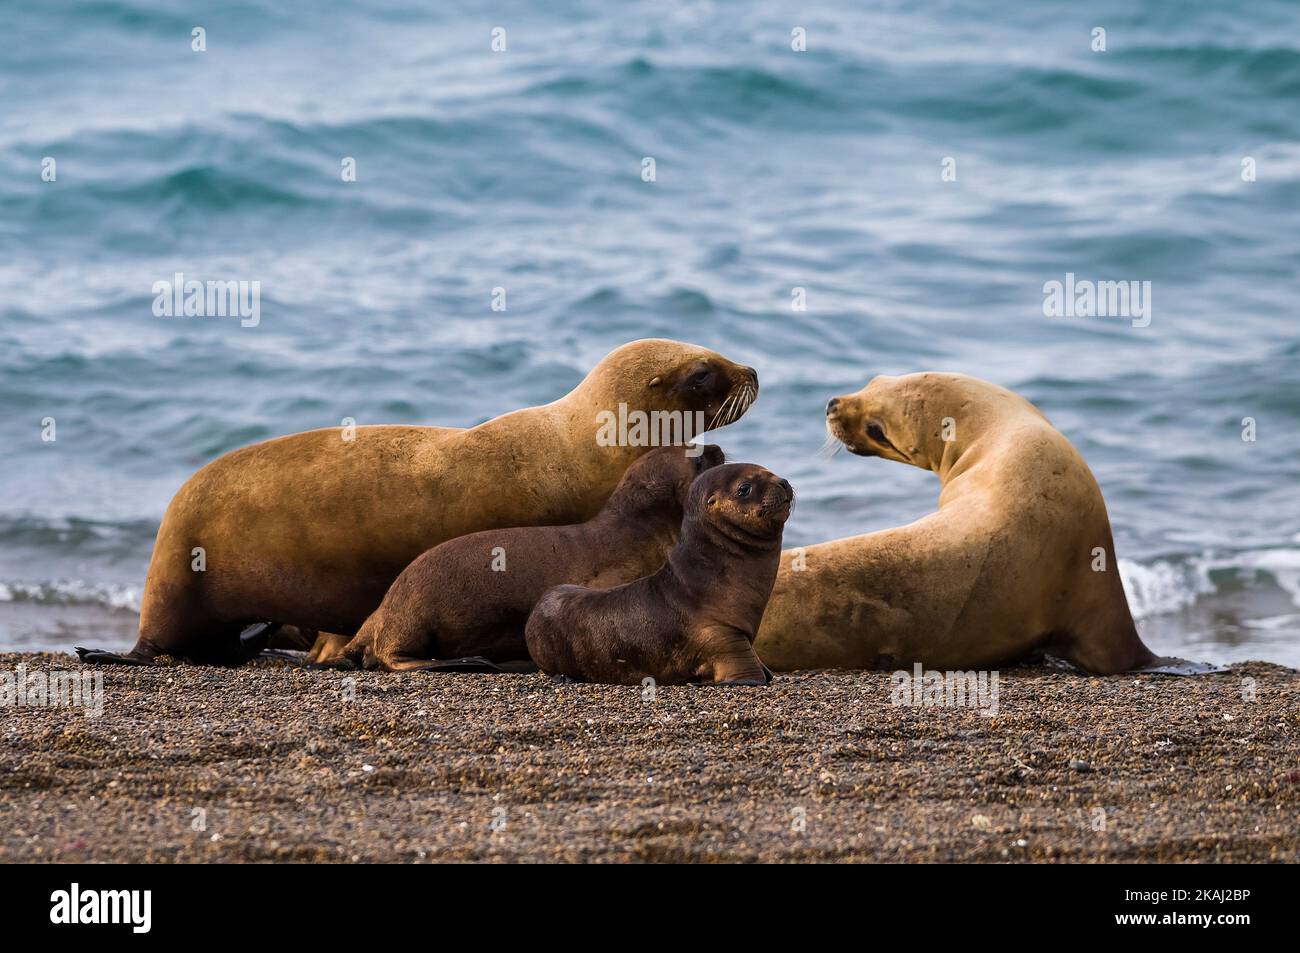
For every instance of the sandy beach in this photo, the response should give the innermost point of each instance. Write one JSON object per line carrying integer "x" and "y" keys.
{"x": 274, "y": 763}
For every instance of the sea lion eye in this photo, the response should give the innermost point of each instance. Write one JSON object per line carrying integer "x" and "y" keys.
{"x": 744, "y": 490}
{"x": 875, "y": 432}
{"x": 698, "y": 378}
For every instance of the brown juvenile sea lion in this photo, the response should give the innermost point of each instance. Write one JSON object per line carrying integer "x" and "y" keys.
{"x": 1018, "y": 559}
{"x": 310, "y": 530}
{"x": 464, "y": 603}
{"x": 692, "y": 621}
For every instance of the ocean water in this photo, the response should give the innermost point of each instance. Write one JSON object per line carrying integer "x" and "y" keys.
{"x": 774, "y": 169}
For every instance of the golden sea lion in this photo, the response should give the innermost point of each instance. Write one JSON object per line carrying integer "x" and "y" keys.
{"x": 311, "y": 529}
{"x": 1017, "y": 560}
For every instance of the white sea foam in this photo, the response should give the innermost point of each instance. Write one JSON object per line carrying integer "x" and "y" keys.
{"x": 73, "y": 592}
{"x": 1166, "y": 586}
{"x": 1163, "y": 586}
{"x": 1155, "y": 588}
{"x": 1276, "y": 623}
{"x": 1282, "y": 564}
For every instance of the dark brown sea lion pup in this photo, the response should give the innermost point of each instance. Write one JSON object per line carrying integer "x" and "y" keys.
{"x": 1017, "y": 561}
{"x": 464, "y": 603}
{"x": 692, "y": 621}
{"x": 310, "y": 530}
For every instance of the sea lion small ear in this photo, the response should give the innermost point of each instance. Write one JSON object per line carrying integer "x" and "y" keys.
{"x": 654, "y": 382}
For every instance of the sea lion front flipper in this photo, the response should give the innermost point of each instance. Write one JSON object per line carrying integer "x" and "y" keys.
{"x": 101, "y": 657}
{"x": 734, "y": 660}
{"x": 328, "y": 647}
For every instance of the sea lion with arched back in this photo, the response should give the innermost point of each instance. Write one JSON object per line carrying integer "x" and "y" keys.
{"x": 1018, "y": 560}
{"x": 311, "y": 529}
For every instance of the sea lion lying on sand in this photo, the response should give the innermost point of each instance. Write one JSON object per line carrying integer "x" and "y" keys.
{"x": 310, "y": 530}
{"x": 692, "y": 621}
{"x": 464, "y": 603}
{"x": 1017, "y": 561}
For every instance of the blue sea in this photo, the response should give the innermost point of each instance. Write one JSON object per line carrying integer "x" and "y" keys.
{"x": 919, "y": 170}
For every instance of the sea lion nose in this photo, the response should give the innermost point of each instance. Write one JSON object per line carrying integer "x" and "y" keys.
{"x": 753, "y": 374}
{"x": 831, "y": 405}
{"x": 785, "y": 485}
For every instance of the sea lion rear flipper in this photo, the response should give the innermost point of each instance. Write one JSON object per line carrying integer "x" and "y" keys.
{"x": 1170, "y": 665}
{"x": 1058, "y": 663}
{"x": 256, "y": 637}
{"x": 284, "y": 655}
{"x": 470, "y": 663}
{"x": 344, "y": 664}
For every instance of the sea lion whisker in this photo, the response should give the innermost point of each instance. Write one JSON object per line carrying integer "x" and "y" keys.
{"x": 732, "y": 401}
{"x": 830, "y": 448}
{"x": 713, "y": 422}
{"x": 743, "y": 402}
{"x": 732, "y": 406}
{"x": 719, "y": 419}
